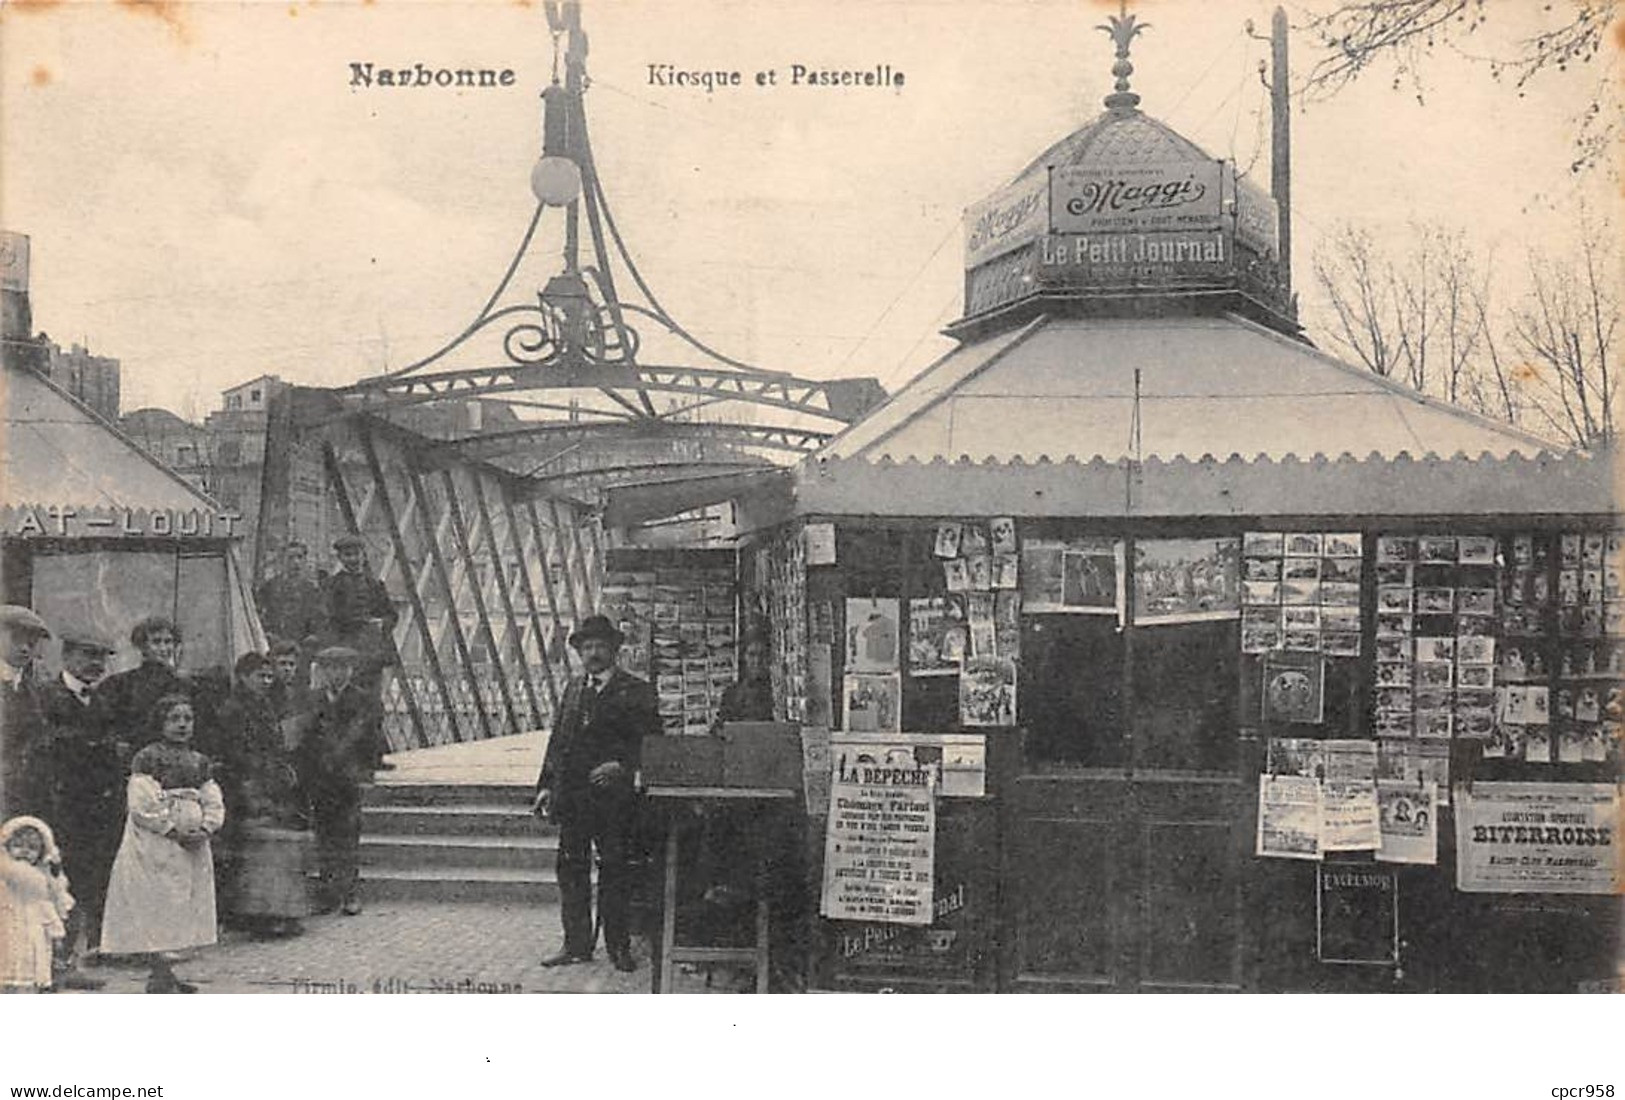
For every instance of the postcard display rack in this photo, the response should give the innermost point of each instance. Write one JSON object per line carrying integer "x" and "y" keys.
{"x": 1502, "y": 654}
{"x": 678, "y": 615}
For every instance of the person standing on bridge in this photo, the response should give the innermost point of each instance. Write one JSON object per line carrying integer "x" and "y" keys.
{"x": 361, "y": 616}
{"x": 586, "y": 785}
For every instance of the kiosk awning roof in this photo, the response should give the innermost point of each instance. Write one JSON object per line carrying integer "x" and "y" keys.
{"x": 1216, "y": 386}
{"x": 56, "y": 451}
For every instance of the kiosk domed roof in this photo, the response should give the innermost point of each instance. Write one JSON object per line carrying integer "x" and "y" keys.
{"x": 1120, "y": 139}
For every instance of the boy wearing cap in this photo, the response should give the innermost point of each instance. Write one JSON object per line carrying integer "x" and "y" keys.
{"x": 23, "y": 789}
{"x": 586, "y": 786}
{"x": 87, "y": 779}
{"x": 334, "y": 762}
{"x": 360, "y": 616}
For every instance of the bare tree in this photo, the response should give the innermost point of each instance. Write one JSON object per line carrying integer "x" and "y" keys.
{"x": 1421, "y": 319}
{"x": 1358, "y": 34}
{"x": 1565, "y": 329}
{"x": 1536, "y": 350}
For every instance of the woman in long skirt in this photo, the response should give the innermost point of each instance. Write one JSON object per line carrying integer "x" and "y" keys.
{"x": 160, "y": 898}
{"x": 272, "y": 845}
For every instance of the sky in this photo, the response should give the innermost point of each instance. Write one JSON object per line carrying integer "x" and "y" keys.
{"x": 210, "y": 199}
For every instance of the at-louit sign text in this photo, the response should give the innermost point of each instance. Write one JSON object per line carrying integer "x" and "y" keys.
{"x": 69, "y": 521}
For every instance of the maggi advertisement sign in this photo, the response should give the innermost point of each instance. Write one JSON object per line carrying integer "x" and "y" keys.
{"x": 1004, "y": 221}
{"x": 1116, "y": 198}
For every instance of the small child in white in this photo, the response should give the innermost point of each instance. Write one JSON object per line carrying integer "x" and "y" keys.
{"x": 34, "y": 902}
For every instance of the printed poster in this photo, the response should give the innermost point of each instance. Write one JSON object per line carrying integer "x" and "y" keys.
{"x": 1545, "y": 838}
{"x": 1187, "y": 580}
{"x": 1410, "y": 821}
{"x": 871, "y": 635}
{"x": 1289, "y": 817}
{"x": 1349, "y": 815}
{"x": 820, "y": 540}
{"x": 872, "y": 701}
{"x": 880, "y": 843}
{"x": 1356, "y": 914}
{"x": 1084, "y": 576}
{"x": 987, "y": 692}
{"x": 957, "y": 761}
{"x": 936, "y": 636}
{"x": 1294, "y": 688}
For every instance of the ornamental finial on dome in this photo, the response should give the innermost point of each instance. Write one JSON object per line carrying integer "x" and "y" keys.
{"x": 1122, "y": 27}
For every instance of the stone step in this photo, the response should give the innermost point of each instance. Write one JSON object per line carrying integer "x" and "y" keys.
{"x": 474, "y": 818}
{"x": 387, "y": 793}
{"x": 459, "y": 884}
{"x": 522, "y": 852}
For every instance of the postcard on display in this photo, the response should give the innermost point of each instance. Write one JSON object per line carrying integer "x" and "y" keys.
{"x": 1410, "y": 821}
{"x": 1003, "y": 535}
{"x": 1416, "y": 762}
{"x": 1341, "y": 571}
{"x": 984, "y": 639}
{"x": 1475, "y": 550}
{"x": 1261, "y": 569}
{"x": 1300, "y": 756}
{"x": 1350, "y": 759}
{"x": 1042, "y": 574}
{"x": 871, "y": 634}
{"x": 1263, "y": 544}
{"x": 1525, "y": 704}
{"x": 1186, "y": 580}
{"x": 872, "y": 702}
{"x": 1289, "y": 817}
{"x": 1260, "y": 639}
{"x": 964, "y": 765}
{"x": 1261, "y": 593}
{"x": 972, "y": 539}
{"x": 1349, "y": 809}
{"x": 1294, "y": 688}
{"x": 1340, "y": 643}
{"x": 1436, "y": 550}
{"x": 1344, "y": 545}
{"x": 980, "y": 567}
{"x": 947, "y": 543}
{"x": 1309, "y": 544}
{"x": 1396, "y": 549}
{"x": 987, "y": 692}
{"x": 956, "y": 575}
{"x": 1548, "y": 838}
{"x": 930, "y": 621}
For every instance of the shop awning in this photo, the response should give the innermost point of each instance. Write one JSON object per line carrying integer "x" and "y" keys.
{"x": 1215, "y": 386}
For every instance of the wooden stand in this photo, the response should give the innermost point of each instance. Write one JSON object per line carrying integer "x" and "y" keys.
{"x": 672, "y": 953}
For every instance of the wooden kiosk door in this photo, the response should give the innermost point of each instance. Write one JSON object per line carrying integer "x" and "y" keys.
{"x": 1124, "y": 852}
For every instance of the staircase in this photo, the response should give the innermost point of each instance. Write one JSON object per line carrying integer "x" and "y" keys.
{"x": 455, "y": 842}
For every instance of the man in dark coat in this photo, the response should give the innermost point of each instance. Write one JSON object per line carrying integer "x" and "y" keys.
{"x": 87, "y": 784}
{"x": 292, "y": 605}
{"x": 24, "y": 786}
{"x": 360, "y": 616}
{"x": 586, "y": 785}
{"x": 335, "y": 763}
{"x": 127, "y": 697}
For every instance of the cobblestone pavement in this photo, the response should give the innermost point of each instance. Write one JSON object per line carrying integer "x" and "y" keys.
{"x": 412, "y": 947}
{"x": 398, "y": 947}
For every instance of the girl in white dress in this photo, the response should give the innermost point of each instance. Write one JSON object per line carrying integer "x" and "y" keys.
{"x": 160, "y": 898}
{"x": 34, "y": 901}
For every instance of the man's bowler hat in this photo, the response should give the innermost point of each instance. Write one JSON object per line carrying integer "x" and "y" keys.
{"x": 596, "y": 626}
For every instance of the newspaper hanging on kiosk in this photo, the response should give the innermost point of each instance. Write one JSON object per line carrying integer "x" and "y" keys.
{"x": 880, "y": 846}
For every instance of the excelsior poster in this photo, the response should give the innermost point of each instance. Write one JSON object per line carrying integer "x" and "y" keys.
{"x": 1538, "y": 838}
{"x": 880, "y": 843}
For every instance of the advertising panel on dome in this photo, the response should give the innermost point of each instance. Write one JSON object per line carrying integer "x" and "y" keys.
{"x": 1134, "y": 259}
{"x": 1181, "y": 194}
{"x": 1006, "y": 220}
